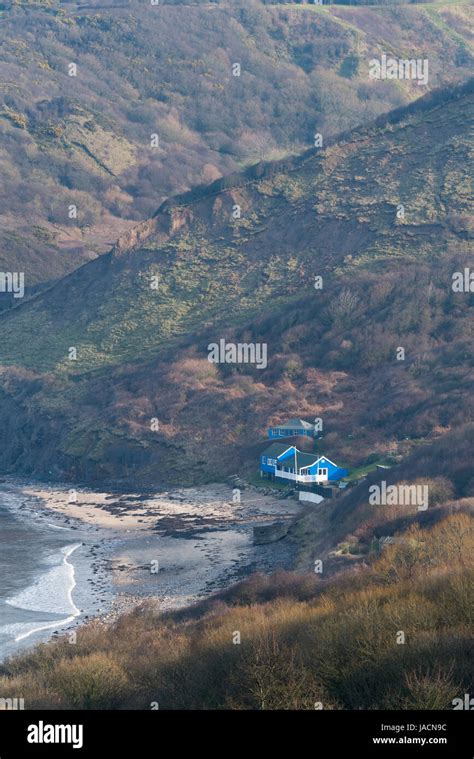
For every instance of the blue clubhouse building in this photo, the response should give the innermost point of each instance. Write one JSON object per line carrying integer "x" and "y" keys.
{"x": 283, "y": 462}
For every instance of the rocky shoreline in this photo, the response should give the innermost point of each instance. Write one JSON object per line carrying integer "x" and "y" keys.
{"x": 170, "y": 548}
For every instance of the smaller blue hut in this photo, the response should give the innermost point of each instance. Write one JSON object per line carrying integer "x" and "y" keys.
{"x": 292, "y": 428}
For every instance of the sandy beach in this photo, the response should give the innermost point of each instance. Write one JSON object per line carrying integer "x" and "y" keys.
{"x": 171, "y": 548}
{"x": 171, "y": 511}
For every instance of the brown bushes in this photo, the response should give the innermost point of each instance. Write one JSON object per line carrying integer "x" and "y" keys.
{"x": 395, "y": 635}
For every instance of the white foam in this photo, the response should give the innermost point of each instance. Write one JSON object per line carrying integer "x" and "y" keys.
{"x": 51, "y": 593}
{"x": 21, "y": 630}
{"x": 56, "y": 526}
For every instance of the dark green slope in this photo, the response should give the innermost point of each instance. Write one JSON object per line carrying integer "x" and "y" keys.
{"x": 142, "y": 353}
{"x": 326, "y": 213}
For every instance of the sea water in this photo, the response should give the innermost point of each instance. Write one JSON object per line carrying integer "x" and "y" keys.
{"x": 37, "y": 577}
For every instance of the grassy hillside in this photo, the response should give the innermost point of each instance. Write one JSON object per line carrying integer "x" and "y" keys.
{"x": 353, "y": 528}
{"x": 85, "y": 140}
{"x": 332, "y": 353}
{"x": 328, "y": 212}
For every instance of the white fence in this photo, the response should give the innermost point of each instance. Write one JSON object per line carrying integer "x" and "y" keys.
{"x": 300, "y": 477}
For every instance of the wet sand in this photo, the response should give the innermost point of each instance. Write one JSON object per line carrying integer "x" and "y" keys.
{"x": 176, "y": 511}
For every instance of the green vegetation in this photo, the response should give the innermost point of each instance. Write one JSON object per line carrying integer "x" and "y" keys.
{"x": 362, "y": 471}
{"x": 142, "y": 352}
{"x": 208, "y": 264}
{"x": 255, "y": 479}
{"x": 85, "y": 140}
